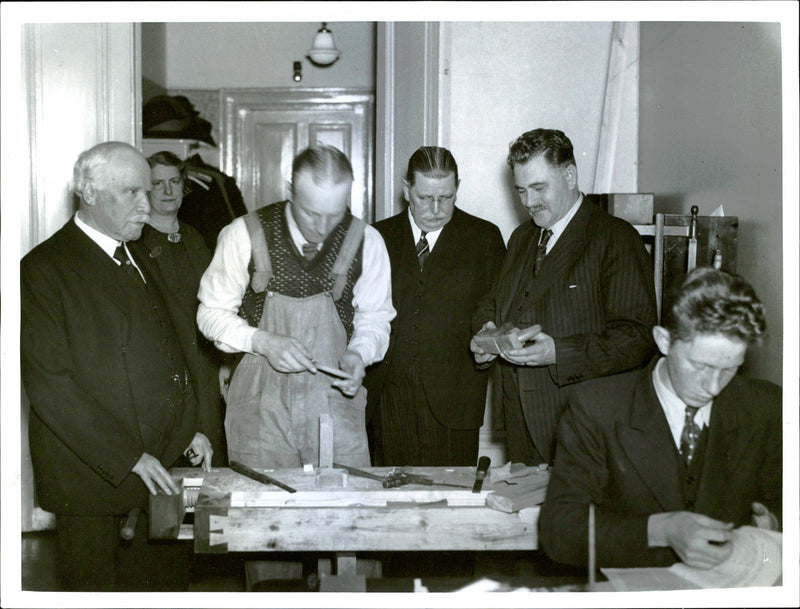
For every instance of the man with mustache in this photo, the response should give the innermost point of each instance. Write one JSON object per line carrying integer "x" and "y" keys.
{"x": 426, "y": 399}
{"x": 576, "y": 282}
{"x": 111, "y": 368}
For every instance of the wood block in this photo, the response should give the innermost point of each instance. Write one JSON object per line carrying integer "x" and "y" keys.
{"x": 165, "y": 514}
{"x": 343, "y": 583}
{"x": 325, "y": 441}
{"x": 262, "y": 570}
{"x": 527, "y": 492}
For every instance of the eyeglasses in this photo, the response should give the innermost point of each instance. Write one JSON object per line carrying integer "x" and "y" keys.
{"x": 161, "y": 185}
{"x": 428, "y": 200}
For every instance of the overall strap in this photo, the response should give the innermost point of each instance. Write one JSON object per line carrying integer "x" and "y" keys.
{"x": 348, "y": 251}
{"x": 261, "y": 259}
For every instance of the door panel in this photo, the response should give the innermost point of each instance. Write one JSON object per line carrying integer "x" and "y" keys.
{"x": 263, "y": 130}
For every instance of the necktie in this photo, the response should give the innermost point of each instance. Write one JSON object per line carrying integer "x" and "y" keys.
{"x": 541, "y": 251}
{"x": 690, "y": 435}
{"x": 423, "y": 250}
{"x": 126, "y": 264}
{"x": 309, "y": 250}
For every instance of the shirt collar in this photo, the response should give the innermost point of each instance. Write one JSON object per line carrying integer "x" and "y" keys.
{"x": 294, "y": 231}
{"x": 561, "y": 225}
{"x": 106, "y": 243}
{"x": 430, "y": 236}
{"x": 674, "y": 408}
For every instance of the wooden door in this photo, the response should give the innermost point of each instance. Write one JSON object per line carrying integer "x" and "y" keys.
{"x": 264, "y": 129}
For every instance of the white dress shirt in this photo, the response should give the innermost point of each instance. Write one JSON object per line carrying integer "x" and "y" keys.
{"x": 560, "y": 226}
{"x": 224, "y": 283}
{"x": 108, "y": 244}
{"x": 430, "y": 237}
{"x": 675, "y": 408}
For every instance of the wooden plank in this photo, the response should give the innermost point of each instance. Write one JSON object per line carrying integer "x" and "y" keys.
{"x": 341, "y": 498}
{"x": 378, "y": 529}
{"x": 527, "y": 492}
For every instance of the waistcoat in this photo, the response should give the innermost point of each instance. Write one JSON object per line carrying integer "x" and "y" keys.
{"x": 293, "y": 275}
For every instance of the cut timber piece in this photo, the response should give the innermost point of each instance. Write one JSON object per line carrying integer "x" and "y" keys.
{"x": 166, "y": 513}
{"x": 527, "y": 492}
{"x": 264, "y": 570}
{"x": 325, "y": 441}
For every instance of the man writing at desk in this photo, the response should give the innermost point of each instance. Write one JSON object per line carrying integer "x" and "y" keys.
{"x": 294, "y": 285}
{"x": 675, "y": 455}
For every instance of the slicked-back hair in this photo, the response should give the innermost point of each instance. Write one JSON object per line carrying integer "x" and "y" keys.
{"x": 327, "y": 164}
{"x": 552, "y": 143}
{"x": 167, "y": 159}
{"x": 433, "y": 162}
{"x": 89, "y": 161}
{"x": 711, "y": 301}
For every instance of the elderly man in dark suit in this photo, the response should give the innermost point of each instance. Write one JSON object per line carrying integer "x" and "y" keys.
{"x": 577, "y": 282}
{"x": 674, "y": 455}
{"x": 426, "y": 397}
{"x": 109, "y": 367}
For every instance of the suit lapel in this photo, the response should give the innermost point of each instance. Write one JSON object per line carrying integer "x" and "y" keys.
{"x": 647, "y": 442}
{"x": 728, "y": 442}
{"x": 445, "y": 254}
{"x": 95, "y": 266}
{"x": 565, "y": 252}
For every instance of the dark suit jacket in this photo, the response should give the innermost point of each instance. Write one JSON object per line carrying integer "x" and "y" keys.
{"x": 207, "y": 377}
{"x": 460, "y": 270}
{"x": 84, "y": 433}
{"x": 594, "y": 295}
{"x": 615, "y": 449}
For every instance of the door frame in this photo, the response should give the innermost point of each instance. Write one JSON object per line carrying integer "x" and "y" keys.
{"x": 234, "y": 101}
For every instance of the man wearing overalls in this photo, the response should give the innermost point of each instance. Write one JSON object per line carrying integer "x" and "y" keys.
{"x": 293, "y": 285}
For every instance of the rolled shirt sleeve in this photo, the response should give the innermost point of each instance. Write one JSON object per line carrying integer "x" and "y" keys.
{"x": 372, "y": 301}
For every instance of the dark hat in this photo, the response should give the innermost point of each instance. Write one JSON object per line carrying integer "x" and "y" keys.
{"x": 168, "y": 116}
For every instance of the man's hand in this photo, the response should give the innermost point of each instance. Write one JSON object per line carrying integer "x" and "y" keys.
{"x": 352, "y": 364}
{"x": 154, "y": 475}
{"x": 200, "y": 451}
{"x": 481, "y": 357}
{"x": 283, "y": 353}
{"x": 762, "y": 517}
{"x": 698, "y": 540}
{"x": 540, "y": 352}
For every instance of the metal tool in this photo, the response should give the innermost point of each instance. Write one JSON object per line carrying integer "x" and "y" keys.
{"x": 397, "y": 478}
{"x": 691, "y": 258}
{"x": 480, "y": 473}
{"x": 259, "y": 477}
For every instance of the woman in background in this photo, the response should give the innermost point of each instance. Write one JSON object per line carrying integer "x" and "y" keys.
{"x": 182, "y": 256}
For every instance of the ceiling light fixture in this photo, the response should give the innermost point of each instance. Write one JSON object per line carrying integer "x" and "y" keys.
{"x": 323, "y": 52}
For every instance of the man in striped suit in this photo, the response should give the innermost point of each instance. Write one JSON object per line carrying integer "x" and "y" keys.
{"x": 577, "y": 282}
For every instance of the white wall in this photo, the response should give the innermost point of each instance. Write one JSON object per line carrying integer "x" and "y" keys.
{"x": 215, "y": 55}
{"x": 710, "y": 135}
{"x": 507, "y": 78}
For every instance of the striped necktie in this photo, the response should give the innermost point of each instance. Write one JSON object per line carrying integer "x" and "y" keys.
{"x": 690, "y": 435}
{"x": 541, "y": 251}
{"x": 423, "y": 250}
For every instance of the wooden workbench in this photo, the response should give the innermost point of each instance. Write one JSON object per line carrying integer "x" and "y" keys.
{"x": 236, "y": 514}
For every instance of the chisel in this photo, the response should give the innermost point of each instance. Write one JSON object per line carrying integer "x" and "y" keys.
{"x": 480, "y": 473}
